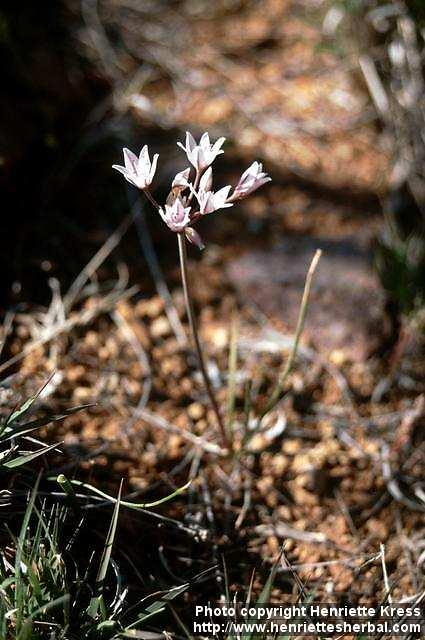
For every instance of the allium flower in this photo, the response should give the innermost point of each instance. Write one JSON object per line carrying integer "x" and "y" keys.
{"x": 138, "y": 171}
{"x": 249, "y": 181}
{"x": 181, "y": 212}
{"x": 203, "y": 154}
{"x": 210, "y": 201}
{"x": 181, "y": 179}
{"x": 176, "y": 216}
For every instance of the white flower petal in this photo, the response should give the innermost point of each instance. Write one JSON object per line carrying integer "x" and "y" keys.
{"x": 190, "y": 141}
{"x": 205, "y": 183}
{"x": 222, "y": 194}
{"x": 181, "y": 179}
{"x": 252, "y": 170}
{"x": 193, "y": 157}
{"x": 119, "y": 168}
{"x": 153, "y": 167}
{"x": 205, "y": 140}
{"x": 144, "y": 154}
{"x": 131, "y": 180}
{"x": 217, "y": 146}
{"x": 130, "y": 159}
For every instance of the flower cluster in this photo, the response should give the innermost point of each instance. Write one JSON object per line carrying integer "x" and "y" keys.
{"x": 189, "y": 200}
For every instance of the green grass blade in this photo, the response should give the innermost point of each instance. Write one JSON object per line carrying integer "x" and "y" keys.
{"x": 159, "y": 605}
{"x": 96, "y": 603}
{"x": 27, "y": 404}
{"x": 19, "y": 584}
{"x": 28, "y": 622}
{"x": 24, "y": 458}
{"x": 264, "y": 596}
{"x": 67, "y": 487}
{"x": 131, "y": 505}
{"x": 11, "y": 431}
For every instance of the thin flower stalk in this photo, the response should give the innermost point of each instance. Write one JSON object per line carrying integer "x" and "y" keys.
{"x": 195, "y": 336}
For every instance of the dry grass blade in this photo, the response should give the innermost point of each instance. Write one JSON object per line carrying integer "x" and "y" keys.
{"x": 160, "y": 423}
{"x": 100, "y": 256}
{"x": 231, "y": 390}
{"x": 385, "y": 575}
{"x": 143, "y": 359}
{"x": 298, "y": 332}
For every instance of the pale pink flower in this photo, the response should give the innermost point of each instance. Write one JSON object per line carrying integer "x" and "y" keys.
{"x": 249, "y": 181}
{"x": 203, "y": 154}
{"x": 210, "y": 201}
{"x": 176, "y": 216}
{"x": 181, "y": 179}
{"x": 138, "y": 171}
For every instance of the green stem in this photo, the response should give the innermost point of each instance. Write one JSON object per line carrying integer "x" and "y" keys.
{"x": 195, "y": 336}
